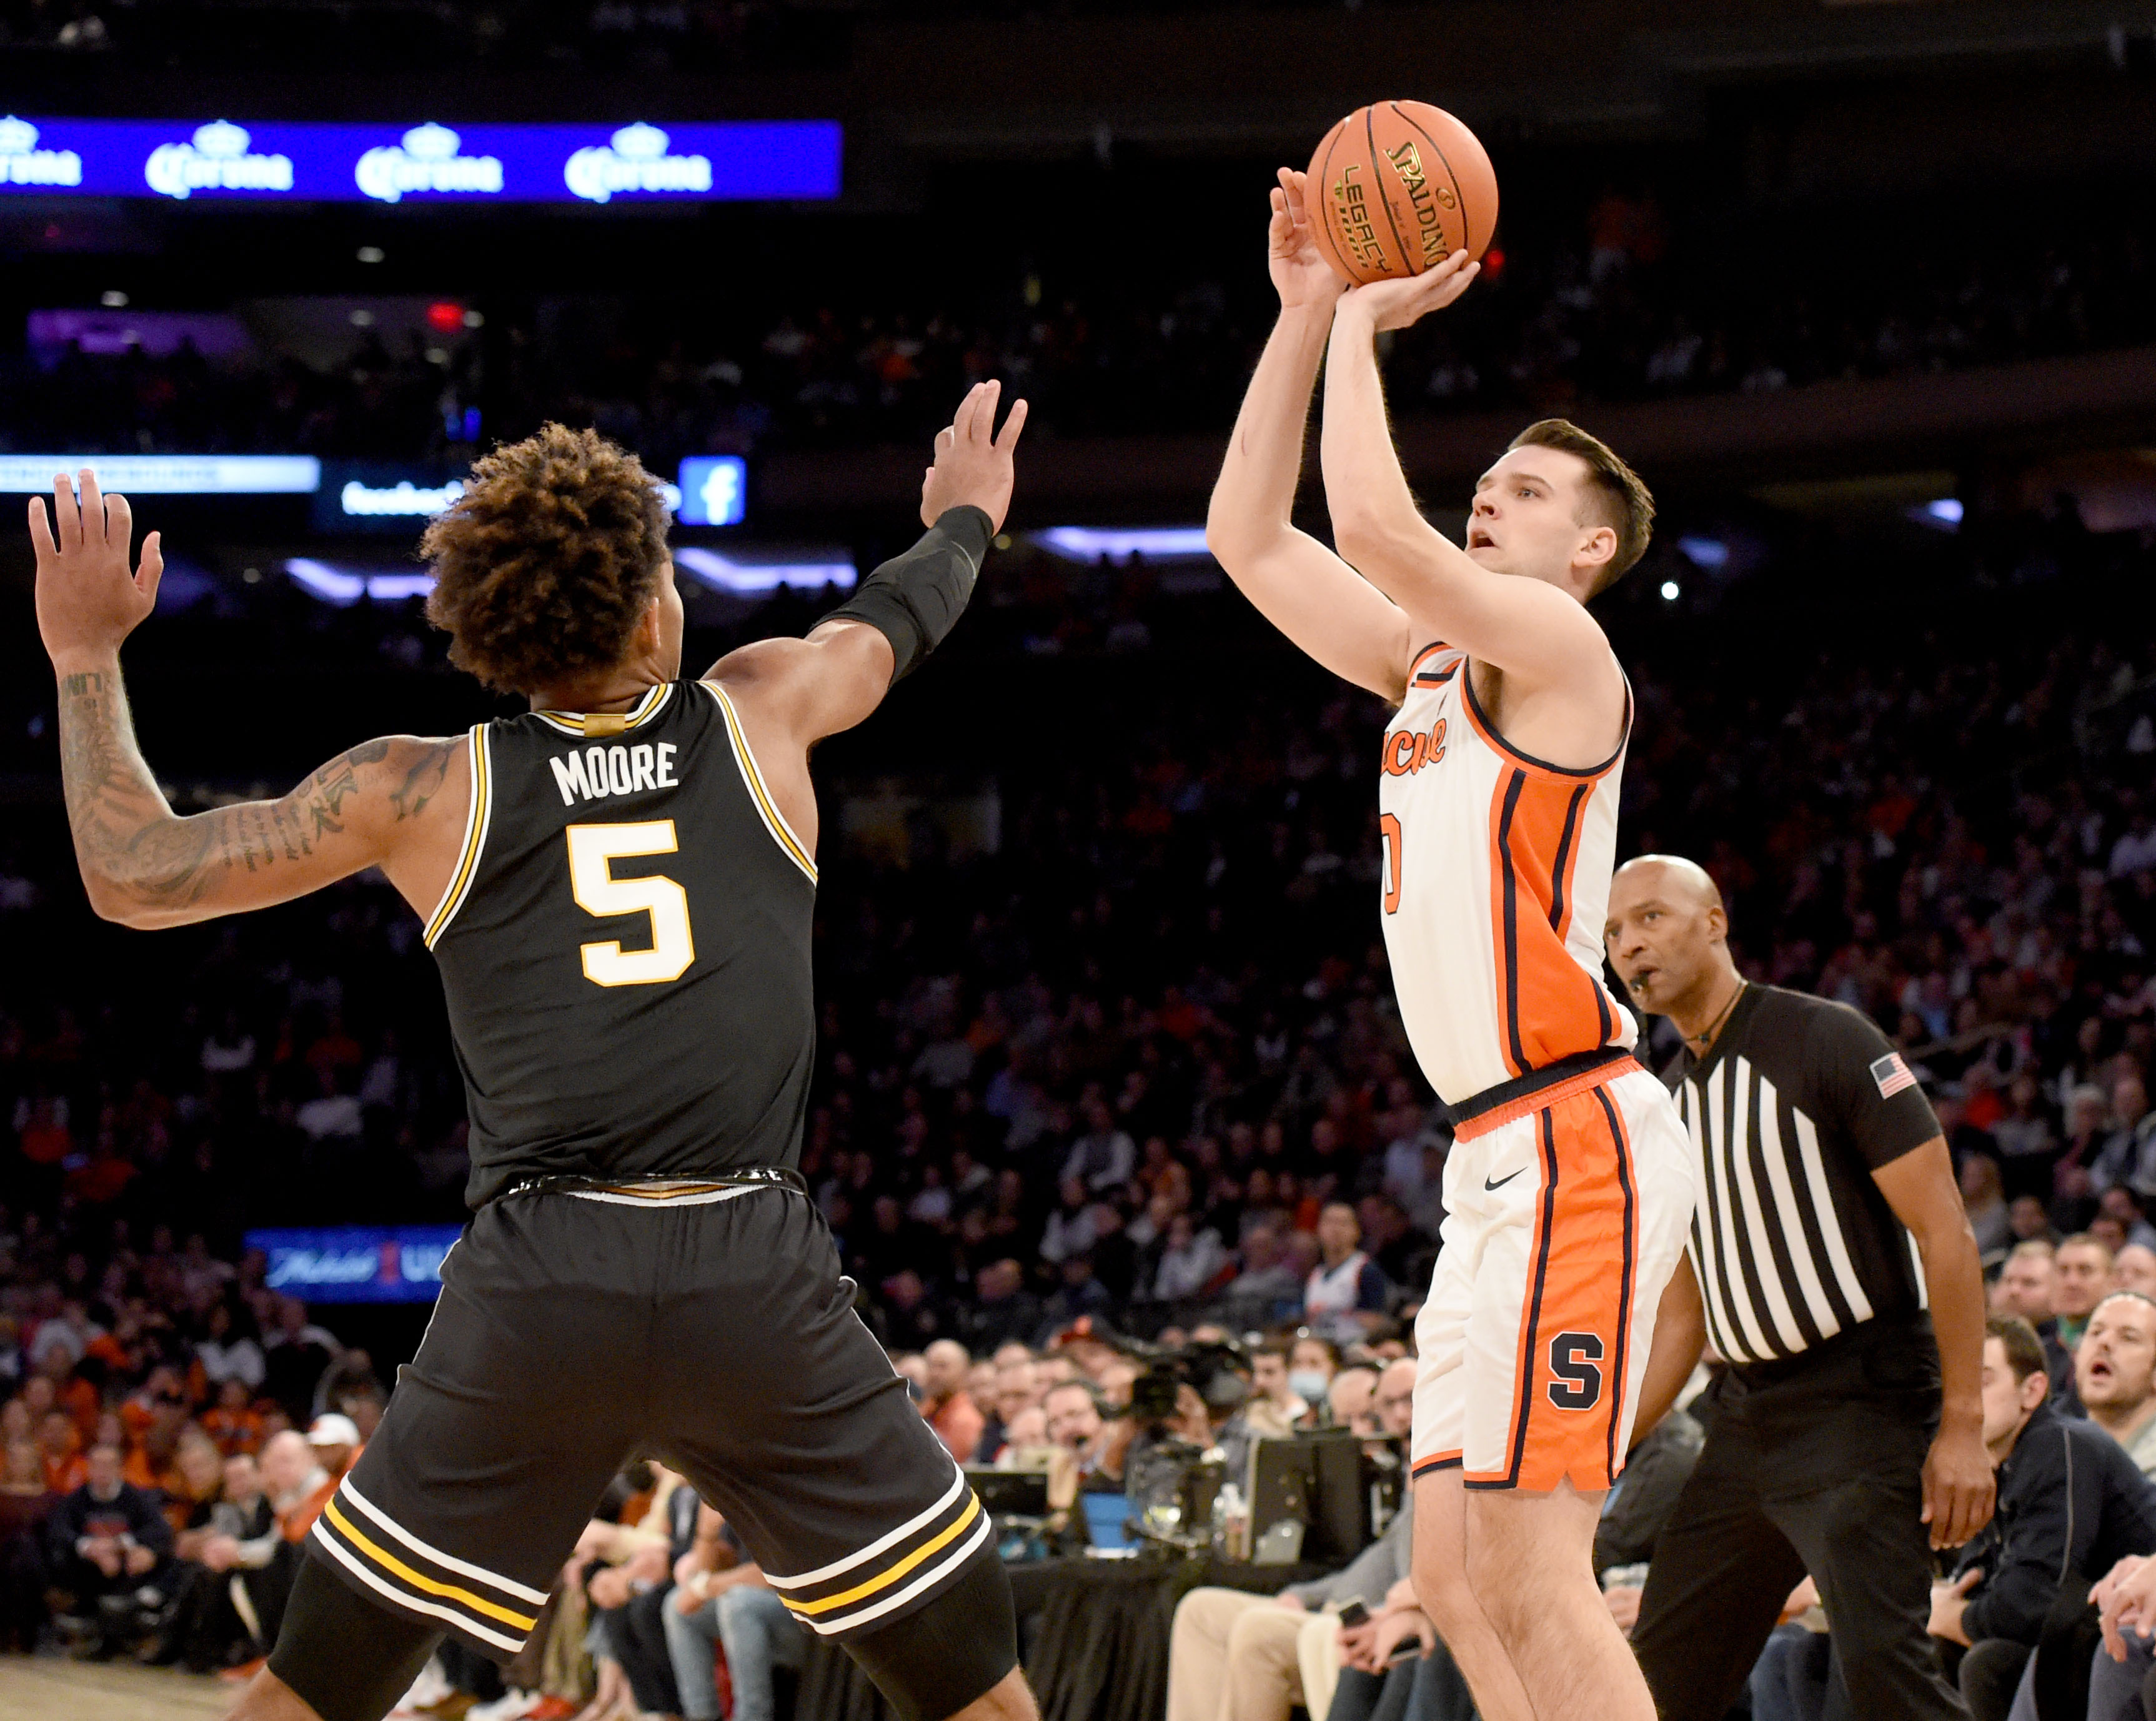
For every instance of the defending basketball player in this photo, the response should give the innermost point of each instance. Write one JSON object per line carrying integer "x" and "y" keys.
{"x": 619, "y": 886}
{"x": 1568, "y": 1190}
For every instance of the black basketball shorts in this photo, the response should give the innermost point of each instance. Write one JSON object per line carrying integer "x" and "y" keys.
{"x": 576, "y": 1332}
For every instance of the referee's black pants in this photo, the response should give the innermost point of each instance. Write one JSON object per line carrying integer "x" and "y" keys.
{"x": 1815, "y": 1465}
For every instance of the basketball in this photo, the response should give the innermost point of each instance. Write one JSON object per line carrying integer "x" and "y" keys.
{"x": 1397, "y": 187}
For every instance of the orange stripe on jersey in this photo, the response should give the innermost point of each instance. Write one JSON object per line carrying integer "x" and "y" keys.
{"x": 1551, "y": 1007}
{"x": 1574, "y": 1331}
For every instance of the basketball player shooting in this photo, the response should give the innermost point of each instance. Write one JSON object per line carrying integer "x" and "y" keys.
{"x": 1567, "y": 1193}
{"x": 618, "y": 887}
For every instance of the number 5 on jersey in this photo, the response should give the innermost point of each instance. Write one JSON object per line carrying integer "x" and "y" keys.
{"x": 593, "y": 850}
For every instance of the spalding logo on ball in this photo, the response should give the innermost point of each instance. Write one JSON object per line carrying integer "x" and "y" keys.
{"x": 1398, "y": 186}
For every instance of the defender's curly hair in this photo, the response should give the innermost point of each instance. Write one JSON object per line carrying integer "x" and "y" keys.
{"x": 542, "y": 566}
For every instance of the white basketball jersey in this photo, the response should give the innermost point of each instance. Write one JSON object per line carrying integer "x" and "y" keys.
{"x": 1497, "y": 883}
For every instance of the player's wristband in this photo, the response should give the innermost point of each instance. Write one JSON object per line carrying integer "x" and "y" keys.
{"x": 914, "y": 600}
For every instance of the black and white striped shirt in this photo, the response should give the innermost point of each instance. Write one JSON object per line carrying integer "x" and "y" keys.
{"x": 1796, "y": 1104}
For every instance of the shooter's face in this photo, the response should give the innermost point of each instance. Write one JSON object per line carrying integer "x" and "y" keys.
{"x": 1527, "y": 518}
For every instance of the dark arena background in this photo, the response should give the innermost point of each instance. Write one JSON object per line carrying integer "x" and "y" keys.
{"x": 1866, "y": 292}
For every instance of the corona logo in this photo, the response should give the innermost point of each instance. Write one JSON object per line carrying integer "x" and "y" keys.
{"x": 425, "y": 159}
{"x": 635, "y": 159}
{"x": 22, "y": 163}
{"x": 216, "y": 158}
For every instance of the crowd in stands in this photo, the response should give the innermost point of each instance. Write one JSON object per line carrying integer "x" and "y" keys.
{"x": 1628, "y": 304}
{"x": 169, "y": 1430}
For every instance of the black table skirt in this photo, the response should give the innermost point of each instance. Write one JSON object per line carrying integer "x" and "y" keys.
{"x": 1093, "y": 1635}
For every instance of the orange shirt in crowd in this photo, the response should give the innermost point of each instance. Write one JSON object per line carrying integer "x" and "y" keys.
{"x": 296, "y": 1521}
{"x": 79, "y": 1399}
{"x": 958, "y": 1422}
{"x": 234, "y": 1431}
{"x": 64, "y": 1476}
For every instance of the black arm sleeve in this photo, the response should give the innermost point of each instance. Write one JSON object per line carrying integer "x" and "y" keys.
{"x": 914, "y": 600}
{"x": 1865, "y": 1087}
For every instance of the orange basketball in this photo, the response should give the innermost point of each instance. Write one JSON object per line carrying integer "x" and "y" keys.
{"x": 1397, "y": 187}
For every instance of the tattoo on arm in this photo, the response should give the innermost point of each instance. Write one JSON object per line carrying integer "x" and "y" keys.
{"x": 132, "y": 846}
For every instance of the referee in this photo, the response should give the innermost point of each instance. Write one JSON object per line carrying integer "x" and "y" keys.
{"x": 1827, "y": 1212}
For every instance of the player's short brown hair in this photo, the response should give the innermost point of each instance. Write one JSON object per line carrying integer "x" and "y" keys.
{"x": 2024, "y": 1351}
{"x": 1625, "y": 506}
{"x": 543, "y": 565}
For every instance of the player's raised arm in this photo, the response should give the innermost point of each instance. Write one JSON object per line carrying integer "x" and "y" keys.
{"x": 1299, "y": 586}
{"x": 391, "y": 802}
{"x": 801, "y": 691}
{"x": 1530, "y": 628}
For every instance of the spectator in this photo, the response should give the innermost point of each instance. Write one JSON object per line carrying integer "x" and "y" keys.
{"x": 296, "y": 1482}
{"x": 721, "y": 1598}
{"x": 629, "y": 1599}
{"x": 2135, "y": 1269}
{"x": 2071, "y": 1501}
{"x": 1344, "y": 1296}
{"x": 1102, "y": 1158}
{"x": 1235, "y": 1656}
{"x": 110, "y": 1549}
{"x": 233, "y": 1558}
{"x": 2023, "y": 1287}
{"x": 2081, "y": 1279}
{"x": 335, "y": 1442}
{"x": 1351, "y": 1400}
{"x": 2115, "y": 1373}
{"x": 948, "y": 1407}
{"x": 25, "y": 1503}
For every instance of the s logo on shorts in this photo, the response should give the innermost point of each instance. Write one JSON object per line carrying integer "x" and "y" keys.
{"x": 1575, "y": 1361}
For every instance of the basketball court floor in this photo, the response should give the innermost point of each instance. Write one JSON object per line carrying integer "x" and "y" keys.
{"x": 37, "y": 1688}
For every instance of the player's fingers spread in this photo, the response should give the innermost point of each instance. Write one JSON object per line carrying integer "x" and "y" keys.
{"x": 92, "y": 509}
{"x": 41, "y": 528}
{"x": 1013, "y": 422}
{"x": 119, "y": 521}
{"x": 67, "y": 520}
{"x": 984, "y": 413}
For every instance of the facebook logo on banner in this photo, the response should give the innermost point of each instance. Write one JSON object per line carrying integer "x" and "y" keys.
{"x": 358, "y": 1263}
{"x": 714, "y": 491}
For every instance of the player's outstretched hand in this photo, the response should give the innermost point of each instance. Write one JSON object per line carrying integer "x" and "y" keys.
{"x": 87, "y": 599}
{"x": 1395, "y": 303}
{"x": 972, "y": 464}
{"x": 1304, "y": 279}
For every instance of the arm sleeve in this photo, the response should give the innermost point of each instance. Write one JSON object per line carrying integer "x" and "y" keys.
{"x": 915, "y": 600}
{"x": 1865, "y": 1091}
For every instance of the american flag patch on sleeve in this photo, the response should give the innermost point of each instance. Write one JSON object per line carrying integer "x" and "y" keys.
{"x": 1892, "y": 1075}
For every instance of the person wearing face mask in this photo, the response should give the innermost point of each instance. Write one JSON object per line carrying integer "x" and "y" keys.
{"x": 1312, "y": 1363}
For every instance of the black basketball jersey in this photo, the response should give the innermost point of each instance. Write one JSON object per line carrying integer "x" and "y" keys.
{"x": 625, "y": 947}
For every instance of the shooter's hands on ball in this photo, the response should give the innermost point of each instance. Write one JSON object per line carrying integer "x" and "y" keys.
{"x": 1395, "y": 303}
{"x": 87, "y": 599}
{"x": 1305, "y": 279}
{"x": 972, "y": 464}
